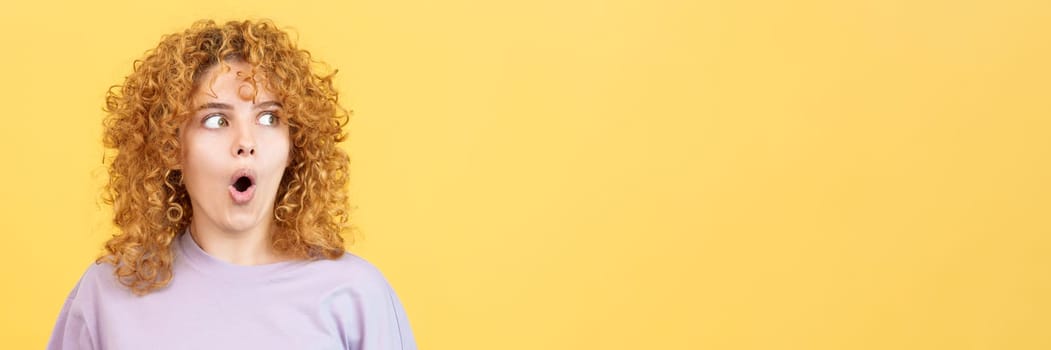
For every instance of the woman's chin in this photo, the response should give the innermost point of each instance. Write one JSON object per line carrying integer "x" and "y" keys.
{"x": 242, "y": 222}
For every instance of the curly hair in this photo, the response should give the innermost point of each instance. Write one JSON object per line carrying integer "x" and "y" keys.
{"x": 150, "y": 204}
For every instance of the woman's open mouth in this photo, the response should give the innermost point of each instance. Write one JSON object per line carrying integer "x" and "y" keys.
{"x": 243, "y": 187}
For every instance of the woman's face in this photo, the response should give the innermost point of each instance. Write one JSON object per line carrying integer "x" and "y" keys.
{"x": 235, "y": 147}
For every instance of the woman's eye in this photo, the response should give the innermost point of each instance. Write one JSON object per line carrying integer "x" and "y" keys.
{"x": 215, "y": 122}
{"x": 268, "y": 118}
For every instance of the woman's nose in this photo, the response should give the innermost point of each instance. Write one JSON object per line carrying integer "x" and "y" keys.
{"x": 245, "y": 150}
{"x": 244, "y": 146}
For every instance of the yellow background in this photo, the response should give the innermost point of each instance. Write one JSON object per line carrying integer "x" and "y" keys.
{"x": 615, "y": 174}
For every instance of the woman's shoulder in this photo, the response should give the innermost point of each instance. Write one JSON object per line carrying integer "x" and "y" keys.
{"x": 350, "y": 268}
{"x": 100, "y": 277}
{"x": 97, "y": 274}
{"x": 96, "y": 283}
{"x": 363, "y": 300}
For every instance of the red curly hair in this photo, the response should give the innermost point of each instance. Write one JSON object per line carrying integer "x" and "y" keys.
{"x": 150, "y": 204}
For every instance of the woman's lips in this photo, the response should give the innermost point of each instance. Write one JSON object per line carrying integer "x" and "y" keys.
{"x": 242, "y": 197}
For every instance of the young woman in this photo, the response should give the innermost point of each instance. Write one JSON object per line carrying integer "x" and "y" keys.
{"x": 229, "y": 193}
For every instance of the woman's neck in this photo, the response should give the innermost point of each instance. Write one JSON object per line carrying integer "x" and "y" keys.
{"x": 251, "y": 247}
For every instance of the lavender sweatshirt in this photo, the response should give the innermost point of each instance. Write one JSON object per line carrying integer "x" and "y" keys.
{"x": 212, "y": 304}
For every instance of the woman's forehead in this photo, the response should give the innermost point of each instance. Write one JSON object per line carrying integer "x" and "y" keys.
{"x": 232, "y": 81}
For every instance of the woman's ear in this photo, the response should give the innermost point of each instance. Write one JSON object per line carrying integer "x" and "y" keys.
{"x": 178, "y": 162}
{"x": 178, "y": 151}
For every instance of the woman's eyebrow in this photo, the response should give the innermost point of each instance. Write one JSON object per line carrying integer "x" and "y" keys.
{"x": 215, "y": 105}
{"x": 265, "y": 104}
{"x": 218, "y": 105}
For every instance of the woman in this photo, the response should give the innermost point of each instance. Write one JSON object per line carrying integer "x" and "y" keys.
{"x": 229, "y": 193}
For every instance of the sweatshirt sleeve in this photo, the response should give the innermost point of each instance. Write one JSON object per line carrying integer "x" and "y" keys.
{"x": 70, "y": 331}
{"x": 377, "y": 319}
{"x": 400, "y": 327}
